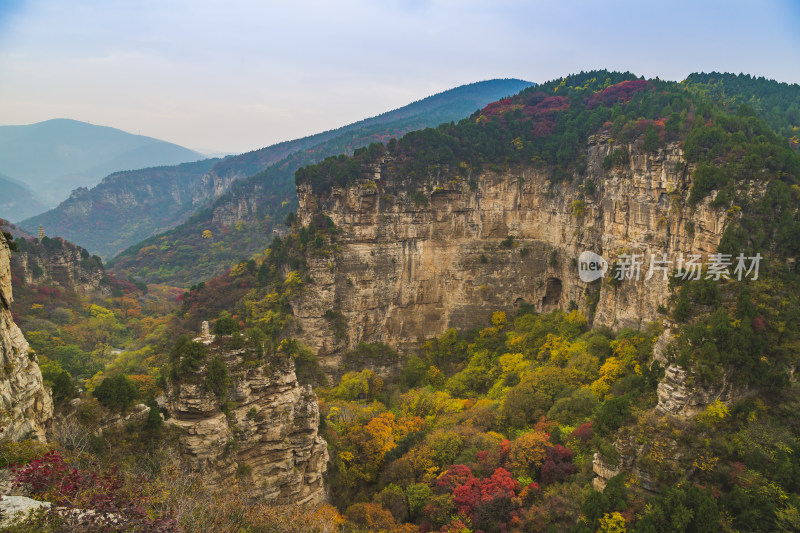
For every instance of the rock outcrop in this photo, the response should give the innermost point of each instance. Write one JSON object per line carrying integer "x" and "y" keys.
{"x": 25, "y": 404}
{"x": 405, "y": 269}
{"x": 678, "y": 397}
{"x": 60, "y": 262}
{"x": 16, "y": 508}
{"x": 267, "y": 436}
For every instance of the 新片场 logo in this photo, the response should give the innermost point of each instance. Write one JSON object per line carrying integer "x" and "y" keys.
{"x": 591, "y": 266}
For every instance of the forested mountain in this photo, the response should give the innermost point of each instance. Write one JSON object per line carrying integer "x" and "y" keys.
{"x": 126, "y": 207}
{"x": 56, "y": 156}
{"x": 778, "y": 104}
{"x": 242, "y": 221}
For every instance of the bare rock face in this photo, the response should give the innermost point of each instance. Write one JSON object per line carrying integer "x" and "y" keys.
{"x": 60, "y": 262}
{"x": 603, "y": 472}
{"x": 14, "y": 508}
{"x": 213, "y": 185}
{"x": 24, "y": 401}
{"x": 679, "y": 396}
{"x": 269, "y": 436}
{"x": 628, "y": 463}
{"x": 402, "y": 271}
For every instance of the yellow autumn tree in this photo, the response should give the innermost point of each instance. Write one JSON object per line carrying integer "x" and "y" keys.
{"x": 714, "y": 413}
{"x": 612, "y": 523}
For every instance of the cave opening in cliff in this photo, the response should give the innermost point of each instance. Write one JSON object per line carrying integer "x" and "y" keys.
{"x": 552, "y": 294}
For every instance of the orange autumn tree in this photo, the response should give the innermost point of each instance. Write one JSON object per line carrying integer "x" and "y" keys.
{"x": 528, "y": 452}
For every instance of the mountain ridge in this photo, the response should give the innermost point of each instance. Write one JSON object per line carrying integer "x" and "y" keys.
{"x": 18, "y": 200}
{"x": 77, "y": 219}
{"x": 58, "y": 155}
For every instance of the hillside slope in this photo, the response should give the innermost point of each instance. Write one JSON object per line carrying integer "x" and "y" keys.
{"x": 125, "y": 207}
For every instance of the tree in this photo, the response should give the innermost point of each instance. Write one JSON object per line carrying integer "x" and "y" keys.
{"x": 357, "y": 385}
{"x": 650, "y": 139}
{"x": 10, "y": 241}
{"x": 524, "y": 405}
{"x": 225, "y": 324}
{"x": 217, "y": 377}
{"x": 488, "y": 501}
{"x": 418, "y": 496}
{"x": 371, "y": 517}
{"x": 117, "y": 391}
{"x": 558, "y": 464}
{"x": 187, "y": 356}
{"x": 576, "y": 407}
{"x": 60, "y": 381}
{"x": 612, "y": 414}
{"x": 612, "y": 523}
{"x": 682, "y": 307}
{"x": 528, "y": 452}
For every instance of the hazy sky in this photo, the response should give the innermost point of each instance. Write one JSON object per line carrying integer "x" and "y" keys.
{"x": 237, "y": 75}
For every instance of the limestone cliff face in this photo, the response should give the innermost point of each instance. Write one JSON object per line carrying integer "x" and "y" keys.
{"x": 403, "y": 271}
{"x": 61, "y": 262}
{"x": 269, "y": 434}
{"x": 241, "y": 207}
{"x": 24, "y": 401}
{"x": 212, "y": 186}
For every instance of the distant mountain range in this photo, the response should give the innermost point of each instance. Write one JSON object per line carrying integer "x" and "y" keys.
{"x": 127, "y": 207}
{"x": 56, "y": 156}
{"x": 17, "y": 201}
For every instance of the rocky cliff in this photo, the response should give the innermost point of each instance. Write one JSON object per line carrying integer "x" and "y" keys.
{"x": 25, "y": 404}
{"x": 407, "y": 267}
{"x": 268, "y": 434}
{"x": 60, "y": 262}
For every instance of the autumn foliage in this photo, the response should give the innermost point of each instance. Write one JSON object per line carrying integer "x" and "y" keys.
{"x": 620, "y": 92}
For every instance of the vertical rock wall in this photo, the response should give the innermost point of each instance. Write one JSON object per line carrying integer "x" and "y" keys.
{"x": 25, "y": 404}
{"x": 403, "y": 271}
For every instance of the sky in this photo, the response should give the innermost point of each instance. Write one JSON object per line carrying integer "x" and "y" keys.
{"x": 237, "y": 75}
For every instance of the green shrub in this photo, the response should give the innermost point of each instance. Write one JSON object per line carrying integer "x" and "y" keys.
{"x": 225, "y": 324}
{"x": 612, "y": 414}
{"x": 619, "y": 157}
{"x": 20, "y": 453}
{"x": 650, "y": 143}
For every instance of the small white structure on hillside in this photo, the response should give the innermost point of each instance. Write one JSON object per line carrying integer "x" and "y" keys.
{"x": 205, "y": 334}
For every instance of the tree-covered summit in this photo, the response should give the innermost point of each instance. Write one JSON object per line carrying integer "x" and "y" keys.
{"x": 550, "y": 123}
